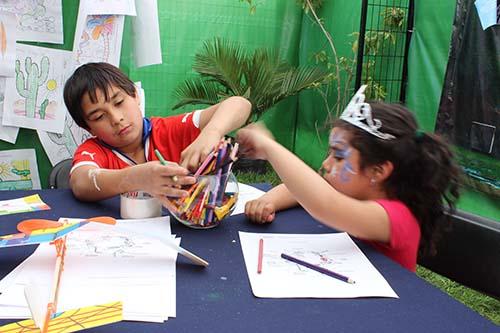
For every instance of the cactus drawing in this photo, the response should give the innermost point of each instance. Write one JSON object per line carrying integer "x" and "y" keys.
{"x": 43, "y": 107}
{"x": 28, "y": 87}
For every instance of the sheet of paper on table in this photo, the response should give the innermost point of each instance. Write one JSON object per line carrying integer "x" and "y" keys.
{"x": 337, "y": 252}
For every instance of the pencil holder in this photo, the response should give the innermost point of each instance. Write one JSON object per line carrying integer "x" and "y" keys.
{"x": 210, "y": 200}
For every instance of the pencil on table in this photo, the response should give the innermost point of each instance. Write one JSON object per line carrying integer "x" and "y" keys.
{"x": 261, "y": 253}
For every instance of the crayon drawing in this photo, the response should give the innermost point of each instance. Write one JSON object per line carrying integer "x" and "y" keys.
{"x": 33, "y": 98}
{"x": 18, "y": 170}
{"x": 7, "y": 43}
{"x": 72, "y": 320}
{"x": 62, "y": 146}
{"x": 98, "y": 39}
{"x": 37, "y": 20}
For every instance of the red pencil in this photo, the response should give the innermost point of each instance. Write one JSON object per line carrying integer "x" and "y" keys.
{"x": 261, "y": 252}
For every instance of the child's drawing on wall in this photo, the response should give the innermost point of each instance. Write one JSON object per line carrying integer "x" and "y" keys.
{"x": 33, "y": 96}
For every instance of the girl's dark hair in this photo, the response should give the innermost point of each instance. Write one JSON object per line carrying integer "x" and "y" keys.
{"x": 90, "y": 78}
{"x": 425, "y": 176}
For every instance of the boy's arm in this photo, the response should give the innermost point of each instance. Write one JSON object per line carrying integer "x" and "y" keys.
{"x": 90, "y": 183}
{"x": 215, "y": 122}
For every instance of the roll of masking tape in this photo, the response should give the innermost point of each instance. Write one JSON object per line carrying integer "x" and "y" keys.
{"x": 139, "y": 205}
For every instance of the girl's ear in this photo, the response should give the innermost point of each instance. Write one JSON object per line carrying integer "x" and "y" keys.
{"x": 380, "y": 172}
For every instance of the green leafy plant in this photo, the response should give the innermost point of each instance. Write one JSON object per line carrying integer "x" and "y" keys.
{"x": 226, "y": 69}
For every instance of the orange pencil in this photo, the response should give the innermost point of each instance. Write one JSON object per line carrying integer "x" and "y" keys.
{"x": 261, "y": 253}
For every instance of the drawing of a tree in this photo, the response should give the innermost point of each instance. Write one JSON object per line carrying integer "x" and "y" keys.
{"x": 28, "y": 86}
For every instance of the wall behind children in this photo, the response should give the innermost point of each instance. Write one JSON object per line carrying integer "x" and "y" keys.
{"x": 184, "y": 26}
{"x": 298, "y": 123}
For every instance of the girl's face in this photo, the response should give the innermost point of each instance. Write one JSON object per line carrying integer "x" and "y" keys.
{"x": 341, "y": 166}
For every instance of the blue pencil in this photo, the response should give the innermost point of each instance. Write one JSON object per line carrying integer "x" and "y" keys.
{"x": 318, "y": 268}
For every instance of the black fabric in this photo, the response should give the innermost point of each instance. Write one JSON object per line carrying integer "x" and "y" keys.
{"x": 469, "y": 112}
{"x": 469, "y": 253}
{"x": 59, "y": 175}
{"x": 219, "y": 299}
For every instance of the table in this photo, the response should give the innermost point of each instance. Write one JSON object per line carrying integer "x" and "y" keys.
{"x": 219, "y": 298}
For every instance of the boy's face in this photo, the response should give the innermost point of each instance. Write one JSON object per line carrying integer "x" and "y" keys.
{"x": 117, "y": 122}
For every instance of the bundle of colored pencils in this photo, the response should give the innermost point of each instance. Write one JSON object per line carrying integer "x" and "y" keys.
{"x": 208, "y": 202}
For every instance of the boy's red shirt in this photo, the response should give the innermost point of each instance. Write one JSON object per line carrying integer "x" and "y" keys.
{"x": 170, "y": 135}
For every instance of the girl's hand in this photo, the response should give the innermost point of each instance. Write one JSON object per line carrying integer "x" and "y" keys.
{"x": 260, "y": 211}
{"x": 252, "y": 140}
{"x": 198, "y": 150}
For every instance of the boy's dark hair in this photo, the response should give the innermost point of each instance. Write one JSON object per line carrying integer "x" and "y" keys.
{"x": 425, "y": 176}
{"x": 90, "y": 78}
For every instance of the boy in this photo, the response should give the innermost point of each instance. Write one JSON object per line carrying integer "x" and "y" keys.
{"x": 120, "y": 157}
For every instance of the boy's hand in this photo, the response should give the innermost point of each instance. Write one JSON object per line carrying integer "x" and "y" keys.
{"x": 253, "y": 139}
{"x": 157, "y": 179}
{"x": 260, "y": 211}
{"x": 198, "y": 150}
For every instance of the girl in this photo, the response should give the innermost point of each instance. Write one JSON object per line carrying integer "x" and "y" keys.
{"x": 383, "y": 181}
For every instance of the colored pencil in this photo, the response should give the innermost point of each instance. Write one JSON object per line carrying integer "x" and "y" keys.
{"x": 164, "y": 162}
{"x": 261, "y": 253}
{"x": 318, "y": 268}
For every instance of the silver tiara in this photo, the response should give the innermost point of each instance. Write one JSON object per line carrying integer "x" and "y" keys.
{"x": 359, "y": 114}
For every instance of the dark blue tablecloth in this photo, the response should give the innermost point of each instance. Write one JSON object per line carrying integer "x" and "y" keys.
{"x": 219, "y": 299}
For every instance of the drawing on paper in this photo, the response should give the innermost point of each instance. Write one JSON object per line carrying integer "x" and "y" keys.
{"x": 62, "y": 146}
{"x": 109, "y": 245}
{"x": 322, "y": 258}
{"x": 95, "y": 41}
{"x": 37, "y": 20}
{"x": 28, "y": 86}
{"x": 3, "y": 39}
{"x": 15, "y": 175}
{"x": 72, "y": 320}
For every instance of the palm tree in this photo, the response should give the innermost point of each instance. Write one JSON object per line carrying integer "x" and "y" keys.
{"x": 225, "y": 69}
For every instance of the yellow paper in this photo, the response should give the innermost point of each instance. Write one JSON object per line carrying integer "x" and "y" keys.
{"x": 72, "y": 320}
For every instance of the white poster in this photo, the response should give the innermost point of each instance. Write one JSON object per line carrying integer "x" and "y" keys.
{"x": 146, "y": 34}
{"x": 7, "y": 133}
{"x": 110, "y": 7}
{"x": 59, "y": 147}
{"x": 37, "y": 20}
{"x": 18, "y": 170}
{"x": 33, "y": 98}
{"x": 98, "y": 38}
{"x": 7, "y": 43}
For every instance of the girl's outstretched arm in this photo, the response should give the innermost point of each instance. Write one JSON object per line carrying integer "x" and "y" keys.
{"x": 263, "y": 209}
{"x": 362, "y": 219}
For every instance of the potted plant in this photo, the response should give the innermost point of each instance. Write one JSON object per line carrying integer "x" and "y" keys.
{"x": 226, "y": 69}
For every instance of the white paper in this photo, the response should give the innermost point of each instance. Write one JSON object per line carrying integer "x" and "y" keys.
{"x": 103, "y": 265}
{"x": 98, "y": 38}
{"x": 146, "y": 34}
{"x": 7, "y": 43}
{"x": 38, "y": 21}
{"x": 7, "y": 133}
{"x": 59, "y": 147}
{"x": 487, "y": 12}
{"x": 108, "y": 7}
{"x": 19, "y": 170}
{"x": 142, "y": 98}
{"x": 337, "y": 252}
{"x": 36, "y": 102}
{"x": 246, "y": 193}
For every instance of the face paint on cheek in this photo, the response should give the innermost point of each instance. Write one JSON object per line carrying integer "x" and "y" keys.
{"x": 347, "y": 168}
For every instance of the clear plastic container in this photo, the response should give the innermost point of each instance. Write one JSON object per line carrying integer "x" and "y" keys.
{"x": 210, "y": 200}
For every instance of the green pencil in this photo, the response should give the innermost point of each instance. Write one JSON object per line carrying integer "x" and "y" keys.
{"x": 164, "y": 162}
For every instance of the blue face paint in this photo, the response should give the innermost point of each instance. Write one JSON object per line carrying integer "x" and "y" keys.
{"x": 341, "y": 151}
